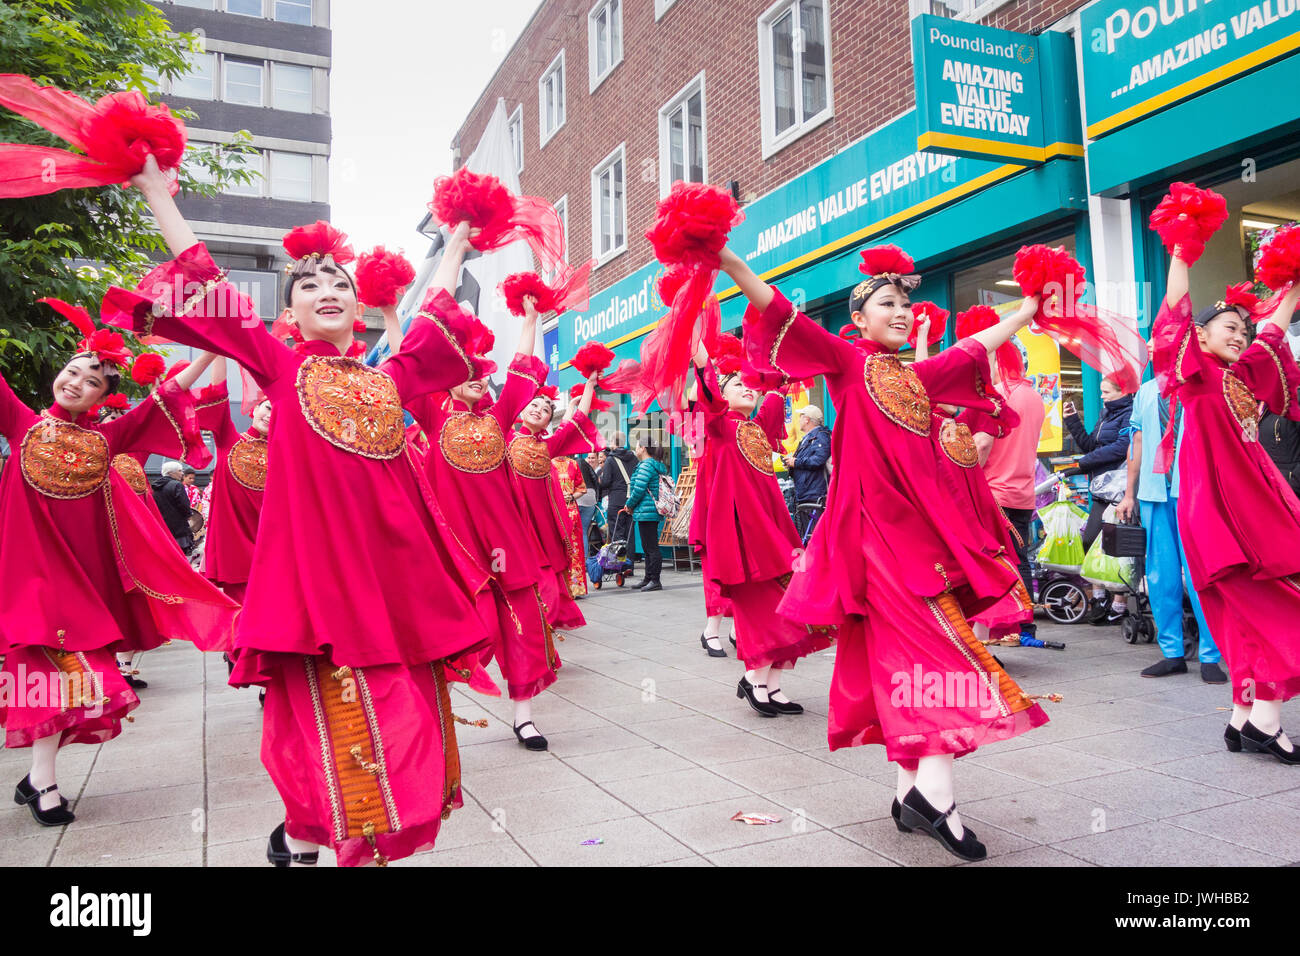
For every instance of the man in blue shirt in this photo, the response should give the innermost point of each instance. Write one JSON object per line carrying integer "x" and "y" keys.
{"x": 1156, "y": 497}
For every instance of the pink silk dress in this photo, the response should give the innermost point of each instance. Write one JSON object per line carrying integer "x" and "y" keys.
{"x": 87, "y": 570}
{"x": 569, "y": 475}
{"x": 530, "y": 460}
{"x": 238, "y": 485}
{"x": 1241, "y": 523}
{"x": 360, "y": 604}
{"x": 466, "y": 468}
{"x": 740, "y": 527}
{"x": 959, "y": 464}
{"x": 893, "y": 561}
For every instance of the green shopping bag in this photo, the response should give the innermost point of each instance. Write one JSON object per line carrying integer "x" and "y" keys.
{"x": 1062, "y": 548}
{"x": 1105, "y": 571}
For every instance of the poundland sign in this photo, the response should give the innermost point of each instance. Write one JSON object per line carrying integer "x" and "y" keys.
{"x": 978, "y": 91}
{"x": 1139, "y": 58}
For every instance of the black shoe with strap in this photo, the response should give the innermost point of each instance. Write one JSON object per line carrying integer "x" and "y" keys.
{"x": 895, "y": 811}
{"x": 536, "y": 741}
{"x": 917, "y": 813}
{"x": 26, "y": 794}
{"x": 1232, "y": 739}
{"x": 1256, "y": 741}
{"x": 278, "y": 852}
{"x": 789, "y": 707}
{"x": 713, "y": 651}
{"x": 746, "y": 690}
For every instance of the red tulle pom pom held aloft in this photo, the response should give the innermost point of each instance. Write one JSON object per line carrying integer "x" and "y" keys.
{"x": 597, "y": 404}
{"x": 117, "y": 401}
{"x": 501, "y": 217}
{"x": 521, "y": 284}
{"x": 727, "y": 352}
{"x": 692, "y": 223}
{"x": 1010, "y": 364}
{"x": 147, "y": 367}
{"x": 1186, "y": 219}
{"x": 116, "y": 134}
{"x": 593, "y": 357}
{"x": 382, "y": 276}
{"x": 320, "y": 240}
{"x": 938, "y": 323}
{"x": 1279, "y": 259}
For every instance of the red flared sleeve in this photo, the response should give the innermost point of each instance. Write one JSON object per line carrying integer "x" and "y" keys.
{"x": 521, "y": 388}
{"x": 771, "y": 418}
{"x": 1177, "y": 357}
{"x": 212, "y": 409}
{"x": 960, "y": 376}
{"x": 575, "y": 436}
{"x": 1269, "y": 370}
{"x": 188, "y": 300}
{"x": 163, "y": 424}
{"x": 431, "y": 358}
{"x": 782, "y": 339}
{"x": 1000, "y": 427}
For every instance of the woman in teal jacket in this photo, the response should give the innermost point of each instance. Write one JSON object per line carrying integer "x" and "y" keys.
{"x": 642, "y": 495}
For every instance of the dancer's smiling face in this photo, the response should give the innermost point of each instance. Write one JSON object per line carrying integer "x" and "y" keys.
{"x": 262, "y": 416}
{"x": 470, "y": 392}
{"x": 739, "y": 396}
{"x": 537, "y": 416}
{"x": 1224, "y": 336}
{"x": 84, "y": 382}
{"x": 324, "y": 305}
{"x": 886, "y": 317}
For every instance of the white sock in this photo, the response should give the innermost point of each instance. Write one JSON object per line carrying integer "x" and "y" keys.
{"x": 906, "y": 781}
{"x": 774, "y": 686}
{"x": 44, "y": 752}
{"x": 1266, "y": 716}
{"x": 934, "y": 780}
{"x": 758, "y": 679}
{"x": 713, "y": 627}
{"x": 523, "y": 714}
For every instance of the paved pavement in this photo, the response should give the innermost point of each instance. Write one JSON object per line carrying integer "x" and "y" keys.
{"x": 652, "y": 754}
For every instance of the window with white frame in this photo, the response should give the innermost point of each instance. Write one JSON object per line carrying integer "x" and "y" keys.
{"x": 291, "y": 87}
{"x": 516, "y": 130}
{"x": 972, "y": 10}
{"x": 201, "y": 4}
{"x": 249, "y": 8}
{"x": 609, "y": 206}
{"x": 293, "y": 11}
{"x": 242, "y": 82}
{"x": 291, "y": 176}
{"x": 200, "y": 82}
{"x": 661, "y": 7}
{"x": 550, "y": 99}
{"x": 194, "y": 149}
{"x": 682, "y": 150}
{"x": 253, "y": 162}
{"x": 794, "y": 57}
{"x": 604, "y": 40}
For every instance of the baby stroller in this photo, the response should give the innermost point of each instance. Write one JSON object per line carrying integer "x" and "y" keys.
{"x": 612, "y": 558}
{"x": 1130, "y": 541}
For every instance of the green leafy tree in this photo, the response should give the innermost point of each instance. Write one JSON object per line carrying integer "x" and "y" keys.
{"x": 74, "y": 243}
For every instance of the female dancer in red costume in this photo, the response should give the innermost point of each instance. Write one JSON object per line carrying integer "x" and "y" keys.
{"x": 742, "y": 529}
{"x": 893, "y": 562}
{"x": 360, "y": 602}
{"x": 87, "y": 570}
{"x": 530, "y": 453}
{"x": 466, "y": 467}
{"x": 1241, "y": 525}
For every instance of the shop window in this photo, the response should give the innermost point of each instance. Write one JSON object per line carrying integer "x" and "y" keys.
{"x": 293, "y": 11}
{"x": 550, "y": 99}
{"x": 243, "y": 82}
{"x": 609, "y": 207}
{"x": 604, "y": 41}
{"x": 200, "y": 82}
{"x": 682, "y": 148}
{"x": 516, "y": 130}
{"x": 291, "y": 176}
{"x": 291, "y": 87}
{"x": 795, "y": 75}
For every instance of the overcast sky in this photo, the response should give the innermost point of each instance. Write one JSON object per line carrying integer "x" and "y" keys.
{"x": 405, "y": 75}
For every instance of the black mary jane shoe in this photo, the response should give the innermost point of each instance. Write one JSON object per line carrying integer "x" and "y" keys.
{"x": 278, "y": 853}
{"x": 1256, "y": 741}
{"x": 732, "y": 638}
{"x": 917, "y": 813}
{"x": 26, "y": 794}
{"x": 746, "y": 690}
{"x": 895, "y": 811}
{"x": 789, "y": 708}
{"x": 537, "y": 742}
{"x": 718, "y": 652}
{"x": 1232, "y": 738}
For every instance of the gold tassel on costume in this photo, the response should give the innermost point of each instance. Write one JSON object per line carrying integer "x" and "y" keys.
{"x": 480, "y": 723}
{"x": 368, "y": 831}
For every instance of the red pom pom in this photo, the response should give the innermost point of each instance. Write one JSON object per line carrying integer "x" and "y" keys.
{"x": 176, "y": 369}
{"x": 116, "y": 401}
{"x": 597, "y": 404}
{"x": 886, "y": 260}
{"x": 976, "y": 319}
{"x": 108, "y": 346}
{"x": 671, "y": 282}
{"x": 549, "y": 391}
{"x": 1186, "y": 218}
{"x": 728, "y": 353}
{"x": 481, "y": 201}
{"x": 147, "y": 367}
{"x": 520, "y": 284}
{"x": 692, "y": 223}
{"x": 381, "y": 277}
{"x": 1279, "y": 259}
{"x": 938, "y": 322}
{"x": 319, "y": 238}
{"x": 592, "y": 357}
{"x": 1037, "y": 267}
{"x": 124, "y": 129}
{"x": 358, "y": 326}
{"x": 1241, "y": 295}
